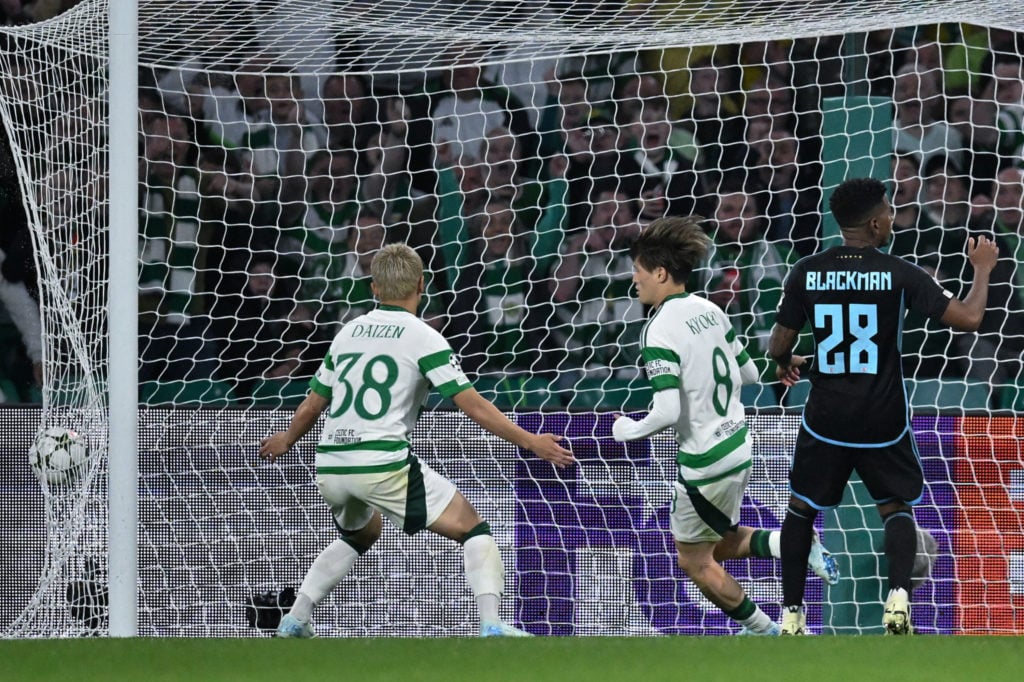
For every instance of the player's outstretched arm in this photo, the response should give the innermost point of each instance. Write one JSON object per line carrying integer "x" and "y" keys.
{"x": 276, "y": 444}
{"x": 966, "y": 315}
{"x": 483, "y": 412}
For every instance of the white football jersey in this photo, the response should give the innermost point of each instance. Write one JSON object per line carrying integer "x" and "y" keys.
{"x": 377, "y": 375}
{"x": 689, "y": 345}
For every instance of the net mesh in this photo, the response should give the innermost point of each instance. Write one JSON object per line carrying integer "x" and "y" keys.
{"x": 518, "y": 147}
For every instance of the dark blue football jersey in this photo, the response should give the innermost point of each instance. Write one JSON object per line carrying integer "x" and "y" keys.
{"x": 854, "y": 300}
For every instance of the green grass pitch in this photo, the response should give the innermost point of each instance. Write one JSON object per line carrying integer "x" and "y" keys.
{"x": 595, "y": 659}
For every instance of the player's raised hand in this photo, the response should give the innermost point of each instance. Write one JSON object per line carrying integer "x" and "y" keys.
{"x": 982, "y": 252}
{"x": 546, "y": 446}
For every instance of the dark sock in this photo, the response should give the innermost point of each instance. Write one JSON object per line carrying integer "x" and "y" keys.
{"x": 759, "y": 543}
{"x": 797, "y": 530}
{"x": 900, "y": 548}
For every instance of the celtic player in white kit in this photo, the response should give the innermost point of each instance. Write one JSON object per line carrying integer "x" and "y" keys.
{"x": 696, "y": 365}
{"x": 373, "y": 383}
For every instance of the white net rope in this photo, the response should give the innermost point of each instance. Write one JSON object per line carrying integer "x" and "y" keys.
{"x": 517, "y": 146}
{"x": 54, "y": 111}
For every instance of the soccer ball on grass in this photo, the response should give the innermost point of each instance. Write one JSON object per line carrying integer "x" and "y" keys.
{"x": 57, "y": 455}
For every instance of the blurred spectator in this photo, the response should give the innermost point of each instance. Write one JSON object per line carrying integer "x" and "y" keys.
{"x": 1007, "y": 221}
{"x": 595, "y": 319}
{"x": 716, "y": 116}
{"x": 524, "y": 70}
{"x": 598, "y": 160}
{"x": 914, "y": 231}
{"x": 464, "y": 106}
{"x": 744, "y": 272}
{"x": 917, "y": 128}
{"x": 21, "y": 355}
{"x": 304, "y": 347}
{"x": 505, "y": 179}
{"x": 171, "y": 245}
{"x": 282, "y": 139}
{"x": 461, "y": 195}
{"x": 916, "y": 236}
{"x": 498, "y": 313}
{"x": 975, "y": 119}
{"x": 766, "y": 61}
{"x": 669, "y": 183}
{"x": 386, "y": 182}
{"x": 1006, "y": 90}
{"x": 348, "y": 109}
{"x": 229, "y": 204}
{"x": 567, "y": 109}
{"x": 984, "y": 356}
{"x": 251, "y": 326}
{"x": 970, "y": 56}
{"x": 1008, "y": 213}
{"x": 331, "y": 204}
{"x": 630, "y": 99}
{"x": 554, "y": 221}
{"x": 22, "y": 313}
{"x": 946, "y": 193}
{"x": 787, "y": 190}
{"x": 336, "y": 279}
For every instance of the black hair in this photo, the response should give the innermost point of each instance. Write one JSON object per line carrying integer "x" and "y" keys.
{"x": 854, "y": 201}
{"x": 677, "y": 244}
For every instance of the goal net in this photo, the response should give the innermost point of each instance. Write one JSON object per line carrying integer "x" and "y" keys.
{"x": 518, "y": 147}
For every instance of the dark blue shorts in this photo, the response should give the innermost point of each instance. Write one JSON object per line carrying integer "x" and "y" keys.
{"x": 821, "y": 470}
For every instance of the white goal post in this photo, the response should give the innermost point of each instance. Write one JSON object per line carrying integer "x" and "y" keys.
{"x": 204, "y": 179}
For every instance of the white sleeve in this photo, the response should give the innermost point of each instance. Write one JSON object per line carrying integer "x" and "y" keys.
{"x": 748, "y": 372}
{"x": 664, "y": 413}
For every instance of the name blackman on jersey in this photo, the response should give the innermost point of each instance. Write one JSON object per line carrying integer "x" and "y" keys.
{"x": 846, "y": 280}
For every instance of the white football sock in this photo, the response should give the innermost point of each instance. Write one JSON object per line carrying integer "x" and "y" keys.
{"x": 485, "y": 574}
{"x": 758, "y": 621}
{"x": 327, "y": 570}
{"x": 775, "y": 543}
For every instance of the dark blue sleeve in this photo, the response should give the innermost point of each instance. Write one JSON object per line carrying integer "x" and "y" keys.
{"x": 924, "y": 293}
{"x": 792, "y": 312}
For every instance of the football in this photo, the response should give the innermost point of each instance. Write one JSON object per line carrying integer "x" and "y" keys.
{"x": 57, "y": 455}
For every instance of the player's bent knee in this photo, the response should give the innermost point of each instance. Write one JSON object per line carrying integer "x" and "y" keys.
{"x": 363, "y": 539}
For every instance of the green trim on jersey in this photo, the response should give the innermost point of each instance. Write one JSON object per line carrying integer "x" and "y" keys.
{"x": 434, "y": 360}
{"x": 452, "y": 388}
{"x": 393, "y": 308}
{"x": 319, "y": 388}
{"x": 730, "y": 335}
{"x": 743, "y": 358}
{"x": 664, "y": 381}
{"x": 722, "y": 450}
{"x": 654, "y": 353}
{"x": 682, "y": 294}
{"x": 705, "y": 481}
{"x": 374, "y": 445}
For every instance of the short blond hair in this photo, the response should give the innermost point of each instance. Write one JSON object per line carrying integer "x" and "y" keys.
{"x": 396, "y": 271}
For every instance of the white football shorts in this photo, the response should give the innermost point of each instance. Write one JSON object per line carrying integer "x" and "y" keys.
{"x": 412, "y": 497}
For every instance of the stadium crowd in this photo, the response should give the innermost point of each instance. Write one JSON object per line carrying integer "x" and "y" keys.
{"x": 263, "y": 194}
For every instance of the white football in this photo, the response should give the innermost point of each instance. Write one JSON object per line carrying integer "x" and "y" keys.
{"x": 58, "y": 455}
